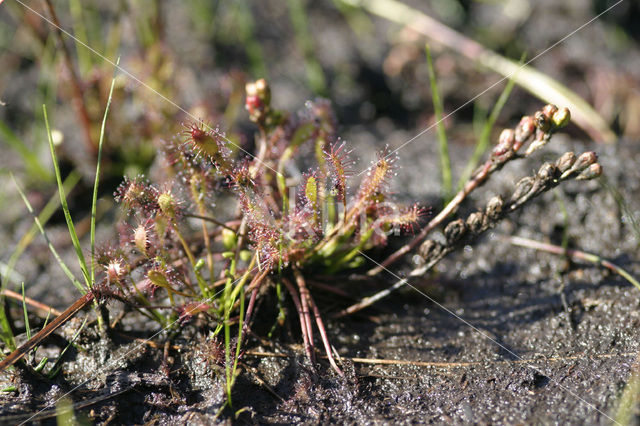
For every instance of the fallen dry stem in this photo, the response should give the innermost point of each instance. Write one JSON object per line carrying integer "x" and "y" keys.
{"x": 41, "y": 307}
{"x": 19, "y": 353}
{"x": 571, "y": 253}
{"x": 431, "y": 364}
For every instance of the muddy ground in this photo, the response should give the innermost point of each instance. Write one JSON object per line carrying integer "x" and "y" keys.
{"x": 495, "y": 335}
{"x": 506, "y": 335}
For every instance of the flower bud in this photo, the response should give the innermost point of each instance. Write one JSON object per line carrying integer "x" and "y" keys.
{"x": 591, "y": 172}
{"x": 561, "y": 117}
{"x": 258, "y": 100}
{"x": 475, "y": 222}
{"x": 168, "y": 204}
{"x": 430, "y": 250}
{"x": 454, "y": 231}
{"x": 505, "y": 143}
{"x": 494, "y": 207}
{"x": 546, "y": 173}
{"x": 524, "y": 129}
{"x": 229, "y": 239}
{"x": 565, "y": 162}
{"x": 542, "y": 122}
{"x": 263, "y": 90}
{"x": 523, "y": 187}
{"x": 548, "y": 110}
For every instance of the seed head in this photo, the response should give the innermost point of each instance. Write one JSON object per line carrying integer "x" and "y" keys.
{"x": 546, "y": 173}
{"x": 585, "y": 160}
{"x": 494, "y": 207}
{"x": 454, "y": 231}
{"x": 475, "y": 222}
{"x": 523, "y": 187}
{"x": 430, "y": 249}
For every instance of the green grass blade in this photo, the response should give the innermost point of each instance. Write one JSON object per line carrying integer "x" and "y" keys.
{"x": 6, "y": 334}
{"x": 44, "y": 216}
{"x": 85, "y": 59}
{"x": 535, "y": 82}
{"x": 240, "y": 330}
{"x": 53, "y": 250}
{"x": 65, "y": 208}
{"x": 32, "y": 164}
{"x": 27, "y": 326}
{"x": 629, "y": 402}
{"x": 94, "y": 200}
{"x": 315, "y": 75}
{"x": 445, "y": 160}
{"x": 624, "y": 207}
{"x": 485, "y": 137}
{"x": 56, "y": 366}
{"x": 245, "y": 34}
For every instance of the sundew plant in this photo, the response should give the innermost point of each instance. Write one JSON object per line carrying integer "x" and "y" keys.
{"x": 176, "y": 258}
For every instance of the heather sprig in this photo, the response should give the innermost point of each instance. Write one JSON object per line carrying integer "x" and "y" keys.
{"x": 548, "y": 176}
{"x": 534, "y": 130}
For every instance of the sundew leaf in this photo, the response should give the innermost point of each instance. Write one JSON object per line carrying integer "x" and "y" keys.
{"x": 311, "y": 191}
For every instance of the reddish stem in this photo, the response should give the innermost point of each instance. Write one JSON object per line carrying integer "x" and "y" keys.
{"x": 78, "y": 95}
{"x": 304, "y": 298}
{"x": 303, "y": 323}
{"x": 323, "y": 334}
{"x": 29, "y": 301}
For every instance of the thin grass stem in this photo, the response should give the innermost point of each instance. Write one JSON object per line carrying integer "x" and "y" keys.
{"x": 65, "y": 207}
{"x": 484, "y": 140}
{"x": 94, "y": 199}
{"x": 438, "y": 108}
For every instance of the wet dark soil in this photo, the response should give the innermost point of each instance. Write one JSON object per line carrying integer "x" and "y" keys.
{"x": 497, "y": 334}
